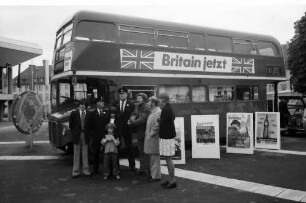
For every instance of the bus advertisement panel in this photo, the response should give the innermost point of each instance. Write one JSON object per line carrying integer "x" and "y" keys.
{"x": 145, "y": 59}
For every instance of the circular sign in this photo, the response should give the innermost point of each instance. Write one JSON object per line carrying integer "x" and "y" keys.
{"x": 27, "y": 112}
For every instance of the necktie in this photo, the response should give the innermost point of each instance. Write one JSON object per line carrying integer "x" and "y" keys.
{"x": 83, "y": 119}
{"x": 122, "y": 106}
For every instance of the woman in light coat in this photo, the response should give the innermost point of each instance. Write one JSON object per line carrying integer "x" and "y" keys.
{"x": 151, "y": 142}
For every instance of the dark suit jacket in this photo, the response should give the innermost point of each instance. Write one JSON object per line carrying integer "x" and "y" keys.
{"x": 97, "y": 125}
{"x": 125, "y": 116}
{"x": 76, "y": 126}
{"x": 167, "y": 128}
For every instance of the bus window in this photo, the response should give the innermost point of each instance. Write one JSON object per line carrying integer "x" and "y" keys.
{"x": 67, "y": 34}
{"x": 247, "y": 92}
{"x": 104, "y": 32}
{"x": 53, "y": 95}
{"x": 221, "y": 93}
{"x": 80, "y": 91}
{"x": 58, "y": 41}
{"x": 218, "y": 43}
{"x": 136, "y": 35}
{"x": 177, "y": 94}
{"x": 64, "y": 93}
{"x": 172, "y": 39}
{"x": 267, "y": 49}
{"x": 244, "y": 46}
{"x": 199, "y": 94}
{"x": 135, "y": 89}
{"x": 197, "y": 41}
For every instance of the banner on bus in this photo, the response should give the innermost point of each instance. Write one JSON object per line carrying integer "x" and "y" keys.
{"x": 267, "y": 130}
{"x": 156, "y": 60}
{"x": 239, "y": 133}
{"x": 205, "y": 136}
{"x": 179, "y": 157}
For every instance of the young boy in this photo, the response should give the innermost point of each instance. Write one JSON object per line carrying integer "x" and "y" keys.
{"x": 110, "y": 143}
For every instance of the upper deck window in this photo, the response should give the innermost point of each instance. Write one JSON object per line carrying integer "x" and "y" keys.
{"x": 67, "y": 33}
{"x": 95, "y": 31}
{"x": 242, "y": 46}
{"x": 136, "y": 35}
{"x": 218, "y": 43}
{"x": 197, "y": 41}
{"x": 58, "y": 41}
{"x": 172, "y": 39}
{"x": 267, "y": 49}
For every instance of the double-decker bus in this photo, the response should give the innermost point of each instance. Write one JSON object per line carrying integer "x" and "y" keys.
{"x": 204, "y": 70}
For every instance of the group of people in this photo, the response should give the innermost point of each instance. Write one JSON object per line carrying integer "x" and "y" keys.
{"x": 152, "y": 119}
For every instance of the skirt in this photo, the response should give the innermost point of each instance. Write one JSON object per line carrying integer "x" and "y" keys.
{"x": 166, "y": 147}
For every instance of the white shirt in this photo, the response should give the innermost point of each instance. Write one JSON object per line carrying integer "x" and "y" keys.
{"x": 81, "y": 113}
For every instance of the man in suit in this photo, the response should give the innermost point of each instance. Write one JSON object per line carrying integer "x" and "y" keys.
{"x": 151, "y": 142}
{"x": 79, "y": 126}
{"x": 99, "y": 119}
{"x": 124, "y": 111}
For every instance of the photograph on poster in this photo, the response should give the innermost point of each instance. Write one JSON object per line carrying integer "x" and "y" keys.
{"x": 179, "y": 157}
{"x": 240, "y": 133}
{"x": 205, "y": 136}
{"x": 267, "y": 130}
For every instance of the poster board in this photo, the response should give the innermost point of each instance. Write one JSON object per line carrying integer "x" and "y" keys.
{"x": 205, "y": 136}
{"x": 179, "y": 157}
{"x": 239, "y": 133}
{"x": 267, "y": 130}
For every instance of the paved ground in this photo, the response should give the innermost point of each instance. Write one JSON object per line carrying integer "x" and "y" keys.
{"x": 49, "y": 180}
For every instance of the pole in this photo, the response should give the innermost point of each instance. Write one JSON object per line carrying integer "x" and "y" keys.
{"x": 275, "y": 97}
{"x": 7, "y": 92}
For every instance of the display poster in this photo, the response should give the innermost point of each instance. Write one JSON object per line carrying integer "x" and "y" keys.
{"x": 179, "y": 157}
{"x": 239, "y": 133}
{"x": 205, "y": 136}
{"x": 267, "y": 130}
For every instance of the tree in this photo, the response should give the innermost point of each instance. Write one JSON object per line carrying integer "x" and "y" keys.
{"x": 297, "y": 56}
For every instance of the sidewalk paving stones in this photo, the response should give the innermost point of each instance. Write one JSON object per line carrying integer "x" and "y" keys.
{"x": 269, "y": 190}
{"x": 294, "y": 195}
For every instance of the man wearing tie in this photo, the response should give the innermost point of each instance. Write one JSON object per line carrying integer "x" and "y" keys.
{"x": 99, "y": 119}
{"x": 124, "y": 111}
{"x": 79, "y": 126}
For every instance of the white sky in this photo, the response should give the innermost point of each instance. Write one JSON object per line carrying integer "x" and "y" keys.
{"x": 37, "y": 21}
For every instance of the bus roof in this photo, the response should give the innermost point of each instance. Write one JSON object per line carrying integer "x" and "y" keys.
{"x": 120, "y": 19}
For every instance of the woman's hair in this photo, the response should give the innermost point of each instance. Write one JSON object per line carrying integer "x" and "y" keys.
{"x": 154, "y": 100}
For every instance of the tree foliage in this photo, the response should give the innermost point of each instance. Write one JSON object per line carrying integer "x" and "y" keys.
{"x": 297, "y": 56}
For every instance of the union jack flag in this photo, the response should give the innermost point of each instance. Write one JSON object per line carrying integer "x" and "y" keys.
{"x": 136, "y": 59}
{"x": 243, "y": 65}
